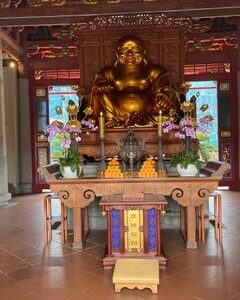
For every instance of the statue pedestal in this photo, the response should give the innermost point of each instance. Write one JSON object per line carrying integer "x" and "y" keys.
{"x": 90, "y": 144}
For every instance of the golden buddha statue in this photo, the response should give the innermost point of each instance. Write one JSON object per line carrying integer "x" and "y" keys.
{"x": 72, "y": 110}
{"x": 132, "y": 91}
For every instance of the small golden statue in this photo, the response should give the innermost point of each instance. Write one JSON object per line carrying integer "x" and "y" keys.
{"x": 72, "y": 110}
{"x": 132, "y": 91}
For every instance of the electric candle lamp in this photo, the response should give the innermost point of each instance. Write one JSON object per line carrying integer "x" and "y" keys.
{"x": 101, "y": 125}
{"x": 160, "y": 124}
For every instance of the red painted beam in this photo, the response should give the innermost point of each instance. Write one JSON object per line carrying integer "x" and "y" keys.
{"x": 34, "y": 16}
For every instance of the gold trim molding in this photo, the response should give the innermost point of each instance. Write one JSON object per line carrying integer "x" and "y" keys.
{"x": 132, "y": 20}
{"x": 93, "y": 2}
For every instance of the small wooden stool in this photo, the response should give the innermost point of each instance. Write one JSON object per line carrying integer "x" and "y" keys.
{"x": 49, "y": 220}
{"x": 217, "y": 218}
{"x": 136, "y": 273}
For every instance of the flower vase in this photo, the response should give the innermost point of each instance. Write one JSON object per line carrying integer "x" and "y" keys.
{"x": 190, "y": 171}
{"x": 68, "y": 173}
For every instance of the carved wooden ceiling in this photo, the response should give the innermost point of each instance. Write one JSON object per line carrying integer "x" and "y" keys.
{"x": 215, "y": 24}
{"x": 62, "y": 12}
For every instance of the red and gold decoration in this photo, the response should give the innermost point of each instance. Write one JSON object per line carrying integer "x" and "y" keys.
{"x": 133, "y": 226}
{"x": 31, "y": 3}
{"x": 133, "y": 235}
{"x": 36, "y": 3}
{"x": 5, "y": 3}
{"x": 92, "y": 2}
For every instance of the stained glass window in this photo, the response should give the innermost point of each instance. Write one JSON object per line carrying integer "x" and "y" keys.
{"x": 58, "y": 97}
{"x": 207, "y": 95}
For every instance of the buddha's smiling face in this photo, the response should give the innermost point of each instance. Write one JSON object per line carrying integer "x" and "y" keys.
{"x": 130, "y": 52}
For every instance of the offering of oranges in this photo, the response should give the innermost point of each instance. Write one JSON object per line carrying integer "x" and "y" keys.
{"x": 148, "y": 168}
{"x": 113, "y": 169}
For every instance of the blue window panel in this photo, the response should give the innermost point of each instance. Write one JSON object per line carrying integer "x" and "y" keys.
{"x": 152, "y": 229}
{"x": 58, "y": 96}
{"x": 207, "y": 95}
{"x": 115, "y": 229}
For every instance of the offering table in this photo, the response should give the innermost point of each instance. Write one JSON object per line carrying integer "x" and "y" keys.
{"x": 188, "y": 192}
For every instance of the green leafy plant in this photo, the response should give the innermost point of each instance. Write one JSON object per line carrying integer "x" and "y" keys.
{"x": 71, "y": 159}
{"x": 185, "y": 159}
{"x": 189, "y": 129}
{"x": 67, "y": 137}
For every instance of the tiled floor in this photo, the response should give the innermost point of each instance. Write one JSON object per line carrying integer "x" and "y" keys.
{"x": 31, "y": 271}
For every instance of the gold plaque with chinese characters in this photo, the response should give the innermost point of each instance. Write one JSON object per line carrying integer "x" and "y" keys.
{"x": 133, "y": 235}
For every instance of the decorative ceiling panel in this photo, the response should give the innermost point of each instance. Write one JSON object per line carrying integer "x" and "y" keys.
{"x": 49, "y": 12}
{"x": 38, "y": 3}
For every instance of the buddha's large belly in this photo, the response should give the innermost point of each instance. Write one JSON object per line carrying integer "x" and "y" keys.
{"x": 132, "y": 102}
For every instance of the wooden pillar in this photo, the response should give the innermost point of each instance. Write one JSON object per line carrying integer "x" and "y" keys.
{"x": 77, "y": 228}
{"x": 191, "y": 227}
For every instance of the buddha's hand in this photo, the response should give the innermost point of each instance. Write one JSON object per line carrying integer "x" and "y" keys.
{"x": 105, "y": 87}
{"x": 163, "y": 102}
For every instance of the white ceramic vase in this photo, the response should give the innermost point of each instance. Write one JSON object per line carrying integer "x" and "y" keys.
{"x": 68, "y": 173}
{"x": 189, "y": 172}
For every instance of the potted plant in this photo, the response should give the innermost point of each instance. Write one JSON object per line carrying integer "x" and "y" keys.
{"x": 187, "y": 163}
{"x": 69, "y": 137}
{"x": 70, "y": 165}
{"x": 188, "y": 129}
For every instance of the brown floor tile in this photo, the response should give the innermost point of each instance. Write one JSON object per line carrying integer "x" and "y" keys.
{"x": 29, "y": 270}
{"x": 2, "y": 251}
{"x": 22, "y": 273}
{"x": 5, "y": 280}
{"x": 235, "y": 297}
{"x": 208, "y": 292}
{"x": 10, "y": 263}
{"x": 96, "y": 251}
{"x": 84, "y": 261}
{"x": 16, "y": 291}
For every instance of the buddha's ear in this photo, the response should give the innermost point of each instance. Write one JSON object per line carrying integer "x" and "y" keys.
{"x": 116, "y": 54}
{"x": 144, "y": 61}
{"x": 144, "y": 56}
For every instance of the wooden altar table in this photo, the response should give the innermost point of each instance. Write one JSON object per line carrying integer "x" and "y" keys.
{"x": 188, "y": 192}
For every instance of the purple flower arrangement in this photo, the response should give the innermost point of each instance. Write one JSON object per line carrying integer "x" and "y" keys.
{"x": 187, "y": 130}
{"x": 188, "y": 127}
{"x": 69, "y": 136}
{"x": 67, "y": 133}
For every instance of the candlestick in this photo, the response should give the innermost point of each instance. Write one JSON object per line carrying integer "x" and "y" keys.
{"x": 101, "y": 125}
{"x": 161, "y": 171}
{"x": 160, "y": 124}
